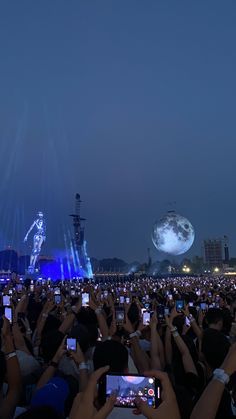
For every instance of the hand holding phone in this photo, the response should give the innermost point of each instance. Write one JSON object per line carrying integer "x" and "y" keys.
{"x": 130, "y": 387}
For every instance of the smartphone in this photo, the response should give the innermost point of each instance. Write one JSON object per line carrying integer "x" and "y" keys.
{"x": 6, "y": 300}
{"x": 127, "y": 300}
{"x": 179, "y": 305}
{"x": 120, "y": 315}
{"x": 203, "y": 306}
{"x": 85, "y": 299}
{"x": 187, "y": 321}
{"x": 146, "y": 318}
{"x": 71, "y": 344}
{"x": 170, "y": 296}
{"x": 31, "y": 288}
{"x": 166, "y": 311}
{"x": 160, "y": 312}
{"x": 72, "y": 293}
{"x": 8, "y": 313}
{"x": 129, "y": 387}
{"x": 57, "y": 299}
{"x": 105, "y": 294}
{"x": 57, "y": 291}
{"x": 122, "y": 299}
{"x": 190, "y": 304}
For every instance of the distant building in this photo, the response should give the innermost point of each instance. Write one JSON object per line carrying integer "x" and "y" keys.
{"x": 213, "y": 251}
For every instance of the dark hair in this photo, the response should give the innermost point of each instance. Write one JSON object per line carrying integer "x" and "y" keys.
{"x": 215, "y": 347}
{"x": 50, "y": 344}
{"x": 111, "y": 353}
{"x": 214, "y": 315}
{"x": 45, "y": 412}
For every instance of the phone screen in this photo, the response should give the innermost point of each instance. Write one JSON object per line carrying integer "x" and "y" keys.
{"x": 187, "y": 321}
{"x": 179, "y": 305}
{"x": 71, "y": 344}
{"x": 31, "y": 288}
{"x": 57, "y": 299}
{"x": 120, "y": 315}
{"x": 129, "y": 387}
{"x": 6, "y": 299}
{"x": 146, "y": 317}
{"x": 167, "y": 311}
{"x": 122, "y": 299}
{"x": 85, "y": 299}
{"x": 203, "y": 306}
{"x": 127, "y": 300}
{"x": 8, "y": 313}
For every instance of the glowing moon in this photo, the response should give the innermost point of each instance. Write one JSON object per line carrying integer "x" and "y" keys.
{"x": 173, "y": 234}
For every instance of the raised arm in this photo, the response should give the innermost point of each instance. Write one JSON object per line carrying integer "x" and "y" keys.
{"x": 208, "y": 404}
{"x": 9, "y": 404}
{"x": 156, "y": 349}
{"x": 184, "y": 351}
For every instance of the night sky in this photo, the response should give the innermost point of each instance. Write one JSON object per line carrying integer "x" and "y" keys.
{"x": 129, "y": 102}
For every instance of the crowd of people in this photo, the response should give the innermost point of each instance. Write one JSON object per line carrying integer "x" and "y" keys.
{"x": 61, "y": 340}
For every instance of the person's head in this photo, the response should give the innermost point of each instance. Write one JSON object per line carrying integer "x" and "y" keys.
{"x": 214, "y": 319}
{"x": 111, "y": 353}
{"x": 50, "y": 344}
{"x": 53, "y": 394}
{"x": 215, "y": 347}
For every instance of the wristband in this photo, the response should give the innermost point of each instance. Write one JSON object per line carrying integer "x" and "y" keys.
{"x": 175, "y": 334}
{"x": 83, "y": 366}
{"x": 174, "y": 329}
{"x": 133, "y": 335}
{"x": 220, "y": 375}
{"x": 98, "y": 310}
{"x": 54, "y": 364}
{"x": 10, "y": 355}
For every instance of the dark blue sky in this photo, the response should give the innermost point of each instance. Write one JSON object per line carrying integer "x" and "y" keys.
{"x": 131, "y": 103}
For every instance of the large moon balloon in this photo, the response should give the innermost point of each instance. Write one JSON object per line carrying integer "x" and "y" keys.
{"x": 173, "y": 234}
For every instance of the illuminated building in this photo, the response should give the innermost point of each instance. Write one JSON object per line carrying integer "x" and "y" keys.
{"x": 213, "y": 250}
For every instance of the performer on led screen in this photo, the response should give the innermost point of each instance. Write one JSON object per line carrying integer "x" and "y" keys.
{"x": 39, "y": 238}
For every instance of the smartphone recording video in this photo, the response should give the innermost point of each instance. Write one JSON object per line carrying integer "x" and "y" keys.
{"x": 120, "y": 315}
{"x": 6, "y": 300}
{"x": 57, "y": 299}
{"x": 71, "y": 344}
{"x": 129, "y": 387}
{"x": 179, "y": 304}
{"x": 146, "y": 318}
{"x": 122, "y": 299}
{"x": 85, "y": 299}
{"x": 8, "y": 313}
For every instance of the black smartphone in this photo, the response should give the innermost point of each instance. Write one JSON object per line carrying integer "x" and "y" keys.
{"x": 179, "y": 305}
{"x": 71, "y": 344}
{"x": 120, "y": 315}
{"x": 8, "y": 313}
{"x": 160, "y": 312}
{"x": 129, "y": 387}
